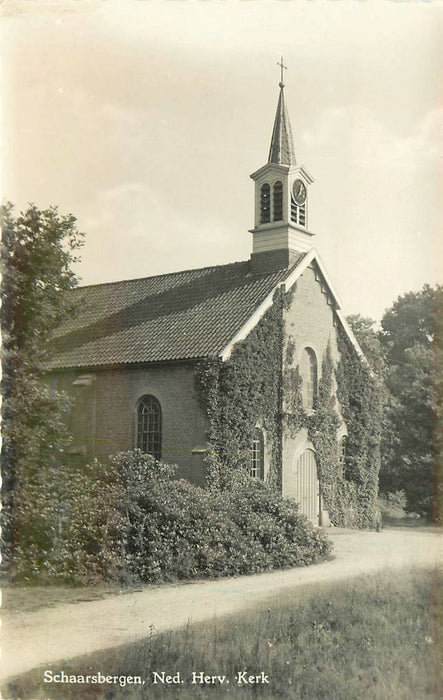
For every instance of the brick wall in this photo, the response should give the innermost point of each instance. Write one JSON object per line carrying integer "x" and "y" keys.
{"x": 103, "y": 417}
{"x": 104, "y": 411}
{"x": 309, "y": 322}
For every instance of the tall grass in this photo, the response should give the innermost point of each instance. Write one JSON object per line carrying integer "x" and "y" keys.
{"x": 376, "y": 638}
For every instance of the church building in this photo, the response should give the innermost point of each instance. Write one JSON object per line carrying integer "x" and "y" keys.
{"x": 225, "y": 368}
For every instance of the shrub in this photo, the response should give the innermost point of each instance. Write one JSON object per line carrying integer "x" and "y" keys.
{"x": 393, "y": 505}
{"x": 133, "y": 520}
{"x": 276, "y": 525}
{"x": 177, "y": 530}
{"x": 71, "y": 526}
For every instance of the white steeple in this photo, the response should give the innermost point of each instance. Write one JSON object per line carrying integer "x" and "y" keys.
{"x": 281, "y": 199}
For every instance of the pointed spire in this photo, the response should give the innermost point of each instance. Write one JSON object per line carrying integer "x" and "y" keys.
{"x": 282, "y": 144}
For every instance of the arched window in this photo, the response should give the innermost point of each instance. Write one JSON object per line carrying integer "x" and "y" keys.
{"x": 257, "y": 469}
{"x": 149, "y": 426}
{"x": 278, "y": 201}
{"x": 265, "y": 204}
{"x": 308, "y": 370}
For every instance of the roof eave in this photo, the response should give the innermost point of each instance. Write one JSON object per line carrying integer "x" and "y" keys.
{"x": 276, "y": 167}
{"x": 109, "y": 366}
{"x": 286, "y": 284}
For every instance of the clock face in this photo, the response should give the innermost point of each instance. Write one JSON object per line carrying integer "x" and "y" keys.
{"x": 299, "y": 191}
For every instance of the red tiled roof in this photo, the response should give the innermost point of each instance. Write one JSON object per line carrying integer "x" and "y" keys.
{"x": 178, "y": 316}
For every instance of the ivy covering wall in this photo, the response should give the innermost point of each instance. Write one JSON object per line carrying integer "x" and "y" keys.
{"x": 349, "y": 488}
{"x": 360, "y": 394}
{"x": 255, "y": 387}
{"x": 240, "y": 394}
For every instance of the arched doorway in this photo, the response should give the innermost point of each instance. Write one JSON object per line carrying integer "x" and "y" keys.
{"x": 306, "y": 487}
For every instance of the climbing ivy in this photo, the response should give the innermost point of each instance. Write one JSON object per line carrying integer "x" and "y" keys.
{"x": 360, "y": 394}
{"x": 241, "y": 393}
{"x": 254, "y": 387}
{"x": 322, "y": 430}
{"x": 349, "y": 490}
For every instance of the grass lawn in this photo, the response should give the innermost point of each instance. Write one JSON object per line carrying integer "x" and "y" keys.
{"x": 374, "y": 638}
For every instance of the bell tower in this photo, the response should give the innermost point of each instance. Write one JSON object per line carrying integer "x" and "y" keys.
{"x": 281, "y": 199}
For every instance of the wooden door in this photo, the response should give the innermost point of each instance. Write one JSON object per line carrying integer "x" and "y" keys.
{"x": 306, "y": 486}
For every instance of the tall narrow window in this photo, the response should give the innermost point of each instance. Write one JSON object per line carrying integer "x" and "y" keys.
{"x": 308, "y": 369}
{"x": 278, "y": 201}
{"x": 265, "y": 204}
{"x": 149, "y": 426}
{"x": 257, "y": 455}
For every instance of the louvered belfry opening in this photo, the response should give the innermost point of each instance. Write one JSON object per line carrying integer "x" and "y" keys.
{"x": 278, "y": 201}
{"x": 298, "y": 213}
{"x": 265, "y": 204}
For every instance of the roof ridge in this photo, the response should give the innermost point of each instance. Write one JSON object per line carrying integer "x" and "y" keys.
{"x": 162, "y": 274}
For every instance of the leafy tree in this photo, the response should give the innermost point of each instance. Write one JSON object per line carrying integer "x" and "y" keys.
{"x": 411, "y": 320}
{"x": 38, "y": 248}
{"x": 412, "y": 337}
{"x": 367, "y": 336}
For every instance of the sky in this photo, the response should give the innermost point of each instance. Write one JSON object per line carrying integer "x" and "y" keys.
{"x": 145, "y": 118}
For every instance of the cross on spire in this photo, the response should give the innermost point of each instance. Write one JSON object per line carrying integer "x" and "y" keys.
{"x": 282, "y": 145}
{"x": 282, "y": 68}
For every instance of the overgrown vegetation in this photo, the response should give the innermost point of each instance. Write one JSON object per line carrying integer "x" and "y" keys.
{"x": 255, "y": 387}
{"x": 360, "y": 394}
{"x": 349, "y": 490}
{"x": 132, "y": 521}
{"x": 241, "y": 393}
{"x": 392, "y": 507}
{"x": 412, "y": 341}
{"x": 38, "y": 249}
{"x": 75, "y": 531}
{"x": 407, "y": 353}
{"x": 340, "y": 641}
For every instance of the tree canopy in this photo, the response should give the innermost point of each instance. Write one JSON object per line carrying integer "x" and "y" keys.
{"x": 38, "y": 249}
{"x": 411, "y": 337}
{"x": 369, "y": 341}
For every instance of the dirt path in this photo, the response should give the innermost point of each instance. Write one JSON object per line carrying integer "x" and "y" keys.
{"x": 53, "y": 634}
